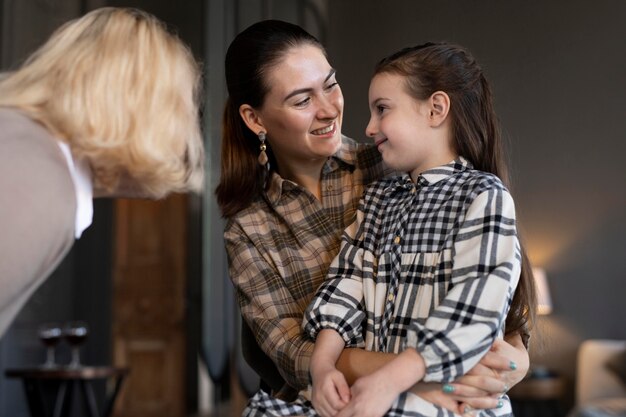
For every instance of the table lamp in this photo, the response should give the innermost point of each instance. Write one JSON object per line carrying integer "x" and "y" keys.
{"x": 544, "y": 301}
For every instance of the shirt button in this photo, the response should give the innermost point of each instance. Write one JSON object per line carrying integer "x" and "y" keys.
{"x": 329, "y": 187}
{"x": 390, "y": 297}
{"x": 397, "y": 240}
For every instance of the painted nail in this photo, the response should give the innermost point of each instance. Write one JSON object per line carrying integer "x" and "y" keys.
{"x": 505, "y": 389}
{"x": 500, "y": 404}
{"x": 512, "y": 365}
{"x": 468, "y": 409}
{"x": 447, "y": 388}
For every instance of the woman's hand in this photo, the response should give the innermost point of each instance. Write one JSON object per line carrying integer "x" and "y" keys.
{"x": 502, "y": 367}
{"x": 432, "y": 392}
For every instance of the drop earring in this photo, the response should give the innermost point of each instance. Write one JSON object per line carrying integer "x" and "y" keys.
{"x": 262, "y": 156}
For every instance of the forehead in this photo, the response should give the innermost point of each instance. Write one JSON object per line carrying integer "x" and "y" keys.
{"x": 386, "y": 83}
{"x": 301, "y": 66}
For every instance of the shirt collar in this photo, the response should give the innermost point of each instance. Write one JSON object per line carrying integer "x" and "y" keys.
{"x": 343, "y": 158}
{"x": 433, "y": 175}
{"x": 83, "y": 187}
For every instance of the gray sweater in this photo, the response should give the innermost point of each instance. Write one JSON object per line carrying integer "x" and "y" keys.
{"x": 37, "y": 210}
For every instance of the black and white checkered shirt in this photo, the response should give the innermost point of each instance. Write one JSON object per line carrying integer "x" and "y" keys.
{"x": 431, "y": 265}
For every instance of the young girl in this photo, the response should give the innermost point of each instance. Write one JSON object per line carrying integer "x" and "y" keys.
{"x": 431, "y": 265}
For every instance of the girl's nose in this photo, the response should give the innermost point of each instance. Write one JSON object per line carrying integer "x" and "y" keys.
{"x": 371, "y": 129}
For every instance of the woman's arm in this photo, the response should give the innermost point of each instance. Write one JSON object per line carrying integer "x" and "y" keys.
{"x": 269, "y": 308}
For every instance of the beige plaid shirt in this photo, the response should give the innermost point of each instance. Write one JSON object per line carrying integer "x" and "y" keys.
{"x": 280, "y": 248}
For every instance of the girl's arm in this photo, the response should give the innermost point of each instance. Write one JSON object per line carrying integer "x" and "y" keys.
{"x": 330, "y": 390}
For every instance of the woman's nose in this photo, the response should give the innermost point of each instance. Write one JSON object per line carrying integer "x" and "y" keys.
{"x": 328, "y": 109}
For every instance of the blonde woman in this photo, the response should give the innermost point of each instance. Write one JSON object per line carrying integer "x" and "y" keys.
{"x": 108, "y": 106}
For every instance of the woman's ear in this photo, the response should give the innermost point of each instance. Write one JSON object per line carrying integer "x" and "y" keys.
{"x": 251, "y": 118}
{"x": 439, "y": 103}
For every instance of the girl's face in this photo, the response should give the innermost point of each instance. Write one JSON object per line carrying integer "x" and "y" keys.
{"x": 403, "y": 128}
{"x": 303, "y": 109}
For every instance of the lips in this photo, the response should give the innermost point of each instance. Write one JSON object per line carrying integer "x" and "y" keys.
{"x": 380, "y": 142}
{"x": 324, "y": 130}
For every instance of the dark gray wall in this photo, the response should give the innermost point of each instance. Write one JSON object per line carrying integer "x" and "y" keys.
{"x": 558, "y": 71}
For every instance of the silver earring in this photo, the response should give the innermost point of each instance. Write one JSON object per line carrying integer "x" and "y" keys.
{"x": 262, "y": 156}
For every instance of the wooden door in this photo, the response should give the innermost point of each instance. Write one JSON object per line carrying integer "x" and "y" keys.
{"x": 149, "y": 305}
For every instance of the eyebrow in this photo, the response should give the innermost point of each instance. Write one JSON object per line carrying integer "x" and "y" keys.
{"x": 378, "y": 100}
{"x": 307, "y": 90}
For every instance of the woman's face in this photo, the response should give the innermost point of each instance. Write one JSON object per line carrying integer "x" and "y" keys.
{"x": 302, "y": 112}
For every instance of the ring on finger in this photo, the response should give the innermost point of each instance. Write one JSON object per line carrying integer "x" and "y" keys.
{"x": 468, "y": 410}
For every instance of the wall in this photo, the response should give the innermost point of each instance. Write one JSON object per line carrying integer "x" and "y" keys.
{"x": 557, "y": 69}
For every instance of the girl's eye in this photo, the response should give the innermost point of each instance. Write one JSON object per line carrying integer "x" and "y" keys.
{"x": 380, "y": 109}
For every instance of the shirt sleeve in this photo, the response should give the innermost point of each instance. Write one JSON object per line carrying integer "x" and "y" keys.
{"x": 486, "y": 264}
{"x": 266, "y": 304}
{"x": 338, "y": 303}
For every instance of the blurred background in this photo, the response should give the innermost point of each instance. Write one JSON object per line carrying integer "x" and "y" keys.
{"x": 151, "y": 278}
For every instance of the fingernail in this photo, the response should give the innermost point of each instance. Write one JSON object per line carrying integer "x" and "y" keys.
{"x": 447, "y": 388}
{"x": 505, "y": 389}
{"x": 512, "y": 365}
{"x": 500, "y": 404}
{"x": 467, "y": 409}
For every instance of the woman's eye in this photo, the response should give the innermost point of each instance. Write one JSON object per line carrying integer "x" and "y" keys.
{"x": 303, "y": 102}
{"x": 380, "y": 109}
{"x": 331, "y": 86}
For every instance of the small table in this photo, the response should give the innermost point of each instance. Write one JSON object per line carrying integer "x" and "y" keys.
{"x": 538, "y": 396}
{"x": 67, "y": 378}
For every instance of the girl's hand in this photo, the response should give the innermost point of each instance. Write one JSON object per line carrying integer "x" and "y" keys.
{"x": 372, "y": 396}
{"x": 330, "y": 393}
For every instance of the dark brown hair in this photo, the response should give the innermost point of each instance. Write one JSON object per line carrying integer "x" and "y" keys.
{"x": 476, "y": 134}
{"x": 251, "y": 55}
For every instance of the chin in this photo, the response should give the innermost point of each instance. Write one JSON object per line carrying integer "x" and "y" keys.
{"x": 337, "y": 139}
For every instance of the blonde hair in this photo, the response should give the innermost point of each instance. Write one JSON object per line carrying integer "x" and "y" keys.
{"x": 123, "y": 92}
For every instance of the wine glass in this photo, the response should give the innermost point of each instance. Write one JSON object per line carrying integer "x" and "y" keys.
{"x": 50, "y": 334}
{"x": 75, "y": 332}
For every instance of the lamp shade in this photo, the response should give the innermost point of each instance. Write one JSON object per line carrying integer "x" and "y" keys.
{"x": 544, "y": 301}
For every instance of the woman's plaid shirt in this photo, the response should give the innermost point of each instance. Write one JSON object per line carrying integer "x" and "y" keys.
{"x": 431, "y": 265}
{"x": 280, "y": 249}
